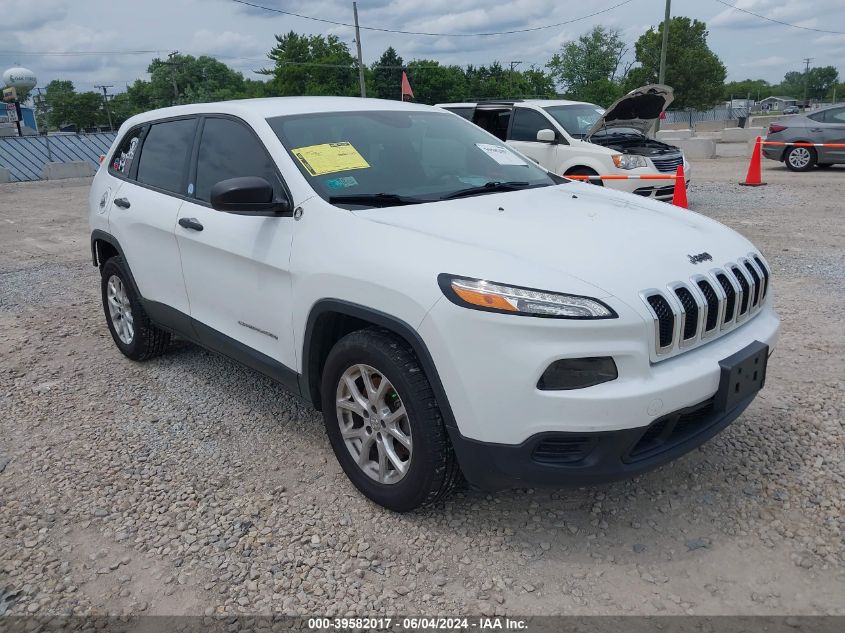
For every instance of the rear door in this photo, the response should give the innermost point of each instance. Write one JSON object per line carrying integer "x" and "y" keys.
{"x": 146, "y": 205}
{"x": 522, "y": 136}
{"x": 832, "y": 131}
{"x": 237, "y": 267}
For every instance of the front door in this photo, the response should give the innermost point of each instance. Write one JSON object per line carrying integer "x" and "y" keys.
{"x": 236, "y": 267}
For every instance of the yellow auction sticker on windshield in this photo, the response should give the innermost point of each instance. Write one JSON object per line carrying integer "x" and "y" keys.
{"x": 329, "y": 158}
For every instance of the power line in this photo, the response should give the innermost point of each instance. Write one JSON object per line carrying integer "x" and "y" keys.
{"x": 763, "y": 17}
{"x": 385, "y": 30}
{"x": 79, "y": 53}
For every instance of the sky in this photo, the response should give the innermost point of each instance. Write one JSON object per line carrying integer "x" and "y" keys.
{"x": 241, "y": 36}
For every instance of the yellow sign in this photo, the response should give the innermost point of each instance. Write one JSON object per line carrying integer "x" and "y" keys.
{"x": 10, "y": 94}
{"x": 329, "y": 158}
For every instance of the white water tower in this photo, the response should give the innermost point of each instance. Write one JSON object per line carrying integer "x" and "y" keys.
{"x": 19, "y": 78}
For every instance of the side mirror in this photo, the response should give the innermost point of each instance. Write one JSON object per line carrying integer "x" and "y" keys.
{"x": 546, "y": 136}
{"x": 246, "y": 195}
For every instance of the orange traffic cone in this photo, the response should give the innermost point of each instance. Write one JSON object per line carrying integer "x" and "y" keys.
{"x": 754, "y": 178}
{"x": 679, "y": 196}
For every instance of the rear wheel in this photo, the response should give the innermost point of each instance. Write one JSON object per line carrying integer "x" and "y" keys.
{"x": 800, "y": 158}
{"x": 585, "y": 171}
{"x": 133, "y": 332}
{"x": 384, "y": 423}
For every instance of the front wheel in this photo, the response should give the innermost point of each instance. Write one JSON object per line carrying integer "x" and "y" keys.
{"x": 800, "y": 158}
{"x": 585, "y": 171}
{"x": 384, "y": 423}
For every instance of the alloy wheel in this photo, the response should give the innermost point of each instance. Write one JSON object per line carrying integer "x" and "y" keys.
{"x": 799, "y": 157}
{"x": 120, "y": 310}
{"x": 374, "y": 424}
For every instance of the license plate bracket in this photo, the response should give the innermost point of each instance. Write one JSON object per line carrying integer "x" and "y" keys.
{"x": 743, "y": 375}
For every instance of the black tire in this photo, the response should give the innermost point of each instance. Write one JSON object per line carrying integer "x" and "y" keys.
{"x": 147, "y": 340}
{"x": 585, "y": 171}
{"x": 433, "y": 470}
{"x": 792, "y": 161}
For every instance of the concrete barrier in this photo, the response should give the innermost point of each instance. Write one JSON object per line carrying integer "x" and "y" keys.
{"x": 662, "y": 135}
{"x": 72, "y": 169}
{"x": 5, "y": 175}
{"x": 740, "y": 135}
{"x": 695, "y": 147}
{"x": 714, "y": 126}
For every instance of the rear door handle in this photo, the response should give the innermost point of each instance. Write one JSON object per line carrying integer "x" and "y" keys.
{"x": 123, "y": 203}
{"x": 190, "y": 223}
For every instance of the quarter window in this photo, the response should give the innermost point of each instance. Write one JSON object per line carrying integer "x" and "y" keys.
{"x": 526, "y": 124}
{"x": 228, "y": 149}
{"x": 165, "y": 153}
{"x": 121, "y": 161}
{"x": 836, "y": 116}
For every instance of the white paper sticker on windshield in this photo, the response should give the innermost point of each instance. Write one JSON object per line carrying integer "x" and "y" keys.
{"x": 500, "y": 154}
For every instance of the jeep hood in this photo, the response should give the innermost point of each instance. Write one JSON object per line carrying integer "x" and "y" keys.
{"x": 610, "y": 240}
{"x": 639, "y": 109}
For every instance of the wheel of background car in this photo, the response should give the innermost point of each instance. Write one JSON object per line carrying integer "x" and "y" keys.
{"x": 800, "y": 158}
{"x": 585, "y": 171}
{"x": 383, "y": 422}
{"x": 133, "y": 332}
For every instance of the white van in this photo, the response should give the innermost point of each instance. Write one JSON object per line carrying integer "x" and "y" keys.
{"x": 577, "y": 138}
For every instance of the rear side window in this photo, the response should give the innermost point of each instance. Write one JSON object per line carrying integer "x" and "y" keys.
{"x": 835, "y": 116}
{"x": 164, "y": 154}
{"x": 462, "y": 112}
{"x": 228, "y": 149}
{"x": 526, "y": 124}
{"x": 121, "y": 162}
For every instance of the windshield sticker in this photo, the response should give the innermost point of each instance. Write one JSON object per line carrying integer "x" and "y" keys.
{"x": 341, "y": 183}
{"x": 329, "y": 158}
{"x": 500, "y": 154}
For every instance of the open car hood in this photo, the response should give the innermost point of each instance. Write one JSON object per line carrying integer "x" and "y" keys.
{"x": 639, "y": 109}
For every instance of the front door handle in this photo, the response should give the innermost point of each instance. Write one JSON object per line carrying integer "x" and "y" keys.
{"x": 123, "y": 203}
{"x": 190, "y": 223}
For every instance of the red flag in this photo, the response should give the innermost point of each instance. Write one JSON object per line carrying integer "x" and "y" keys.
{"x": 406, "y": 87}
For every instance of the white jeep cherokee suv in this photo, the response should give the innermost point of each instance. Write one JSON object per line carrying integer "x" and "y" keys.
{"x": 576, "y": 138}
{"x": 449, "y": 305}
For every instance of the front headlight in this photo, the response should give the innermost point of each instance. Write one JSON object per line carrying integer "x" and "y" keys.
{"x": 494, "y": 297}
{"x": 629, "y": 161}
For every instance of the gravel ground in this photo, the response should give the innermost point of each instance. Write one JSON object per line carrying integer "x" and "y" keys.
{"x": 189, "y": 485}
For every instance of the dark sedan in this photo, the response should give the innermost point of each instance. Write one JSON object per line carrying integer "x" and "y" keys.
{"x": 826, "y": 125}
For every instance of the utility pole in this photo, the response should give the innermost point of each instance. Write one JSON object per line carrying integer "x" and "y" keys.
{"x": 661, "y": 73}
{"x": 106, "y": 102}
{"x": 358, "y": 45}
{"x": 513, "y": 65}
{"x": 807, "y": 61}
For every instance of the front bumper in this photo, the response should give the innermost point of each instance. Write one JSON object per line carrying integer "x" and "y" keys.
{"x": 577, "y": 459}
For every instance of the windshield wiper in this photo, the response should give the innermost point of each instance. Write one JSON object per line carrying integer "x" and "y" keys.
{"x": 376, "y": 199}
{"x": 488, "y": 187}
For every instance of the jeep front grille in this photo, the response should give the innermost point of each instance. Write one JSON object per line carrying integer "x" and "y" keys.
{"x": 708, "y": 305}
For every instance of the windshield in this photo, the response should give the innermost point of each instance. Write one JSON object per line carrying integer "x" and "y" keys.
{"x": 576, "y": 119}
{"x": 385, "y": 158}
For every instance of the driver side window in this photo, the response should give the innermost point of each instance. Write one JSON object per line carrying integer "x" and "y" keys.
{"x": 228, "y": 149}
{"x": 526, "y": 124}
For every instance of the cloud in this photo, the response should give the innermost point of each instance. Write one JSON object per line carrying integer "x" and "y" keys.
{"x": 241, "y": 36}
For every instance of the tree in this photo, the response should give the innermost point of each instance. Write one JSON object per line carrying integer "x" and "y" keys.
{"x": 792, "y": 85}
{"x": 820, "y": 82}
{"x": 387, "y": 75}
{"x": 60, "y": 103}
{"x": 433, "y": 83}
{"x": 757, "y": 88}
{"x": 589, "y": 69}
{"x": 312, "y": 65}
{"x": 692, "y": 69}
{"x": 188, "y": 79}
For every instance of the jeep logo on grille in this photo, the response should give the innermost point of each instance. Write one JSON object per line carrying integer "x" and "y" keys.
{"x": 701, "y": 257}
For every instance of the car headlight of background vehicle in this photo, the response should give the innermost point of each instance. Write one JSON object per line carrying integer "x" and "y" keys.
{"x": 629, "y": 161}
{"x": 480, "y": 294}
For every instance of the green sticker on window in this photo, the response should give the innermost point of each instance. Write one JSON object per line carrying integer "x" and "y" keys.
{"x": 341, "y": 183}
